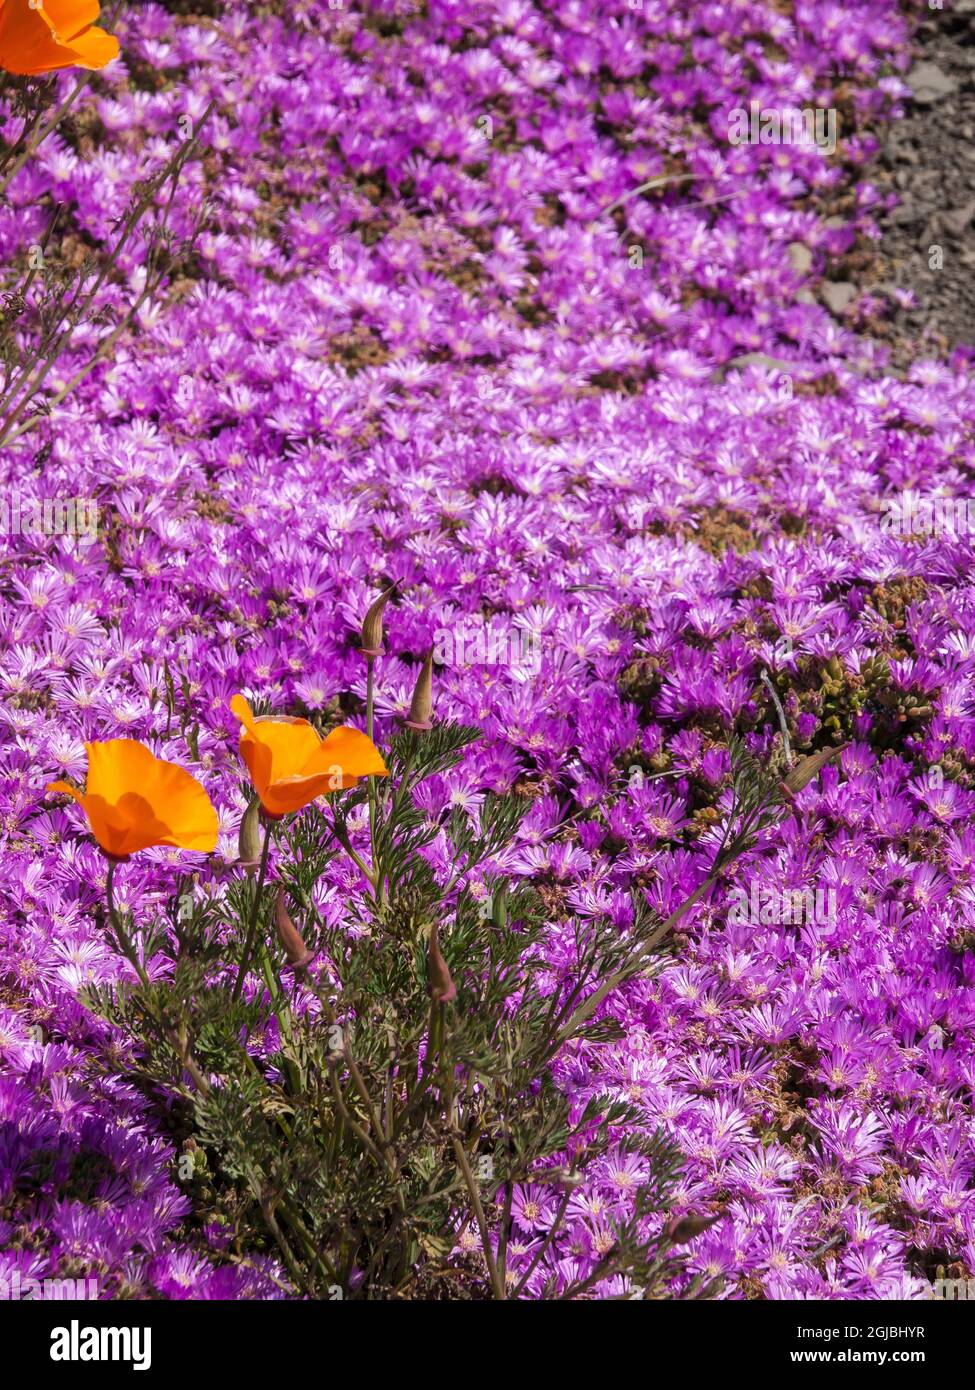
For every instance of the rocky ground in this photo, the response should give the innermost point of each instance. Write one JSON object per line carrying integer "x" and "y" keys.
{"x": 928, "y": 158}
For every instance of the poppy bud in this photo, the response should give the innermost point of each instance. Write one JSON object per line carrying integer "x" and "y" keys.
{"x": 440, "y": 986}
{"x": 808, "y": 768}
{"x": 249, "y": 838}
{"x": 564, "y": 1177}
{"x": 421, "y": 706}
{"x": 684, "y": 1228}
{"x": 372, "y": 625}
{"x": 294, "y": 948}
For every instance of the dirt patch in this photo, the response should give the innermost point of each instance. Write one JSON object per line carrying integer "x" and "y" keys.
{"x": 928, "y": 158}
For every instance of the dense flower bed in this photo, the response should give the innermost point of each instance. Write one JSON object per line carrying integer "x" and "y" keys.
{"x": 412, "y": 344}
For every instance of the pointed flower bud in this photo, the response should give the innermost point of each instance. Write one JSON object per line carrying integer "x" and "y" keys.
{"x": 249, "y": 838}
{"x": 681, "y": 1229}
{"x": 421, "y": 706}
{"x": 809, "y": 768}
{"x": 439, "y": 983}
{"x": 372, "y": 625}
{"x": 294, "y": 948}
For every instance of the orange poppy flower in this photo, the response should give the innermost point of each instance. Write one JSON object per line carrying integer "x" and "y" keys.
{"x": 38, "y": 36}
{"x": 134, "y": 800}
{"x": 290, "y": 764}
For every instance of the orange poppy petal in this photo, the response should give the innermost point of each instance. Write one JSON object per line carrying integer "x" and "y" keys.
{"x": 106, "y": 828}
{"x": 242, "y": 710}
{"x": 257, "y": 757}
{"x": 93, "y": 49}
{"x": 69, "y": 17}
{"x": 273, "y": 748}
{"x": 183, "y": 807}
{"x": 117, "y": 765}
{"x": 353, "y": 752}
{"x": 124, "y": 828}
{"x": 135, "y": 800}
{"x": 34, "y": 41}
{"x": 39, "y": 54}
{"x": 64, "y": 787}
{"x": 257, "y": 760}
{"x": 291, "y": 745}
{"x": 293, "y": 793}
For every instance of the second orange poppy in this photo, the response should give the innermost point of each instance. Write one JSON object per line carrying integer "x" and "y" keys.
{"x": 290, "y": 764}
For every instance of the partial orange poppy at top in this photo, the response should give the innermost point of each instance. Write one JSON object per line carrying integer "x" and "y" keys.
{"x": 38, "y": 36}
{"x": 134, "y": 800}
{"x": 290, "y": 764}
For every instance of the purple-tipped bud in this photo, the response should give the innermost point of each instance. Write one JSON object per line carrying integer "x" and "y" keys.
{"x": 249, "y": 839}
{"x": 808, "y": 768}
{"x": 439, "y": 983}
{"x": 294, "y": 948}
{"x": 421, "y": 706}
{"x": 684, "y": 1228}
{"x": 372, "y": 625}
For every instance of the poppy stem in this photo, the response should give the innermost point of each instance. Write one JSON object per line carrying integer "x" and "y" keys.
{"x": 346, "y": 844}
{"x": 370, "y": 722}
{"x": 121, "y": 936}
{"x": 370, "y": 697}
{"x": 178, "y": 1045}
{"x": 252, "y": 927}
{"x": 39, "y": 132}
{"x": 766, "y": 681}
{"x": 463, "y": 1163}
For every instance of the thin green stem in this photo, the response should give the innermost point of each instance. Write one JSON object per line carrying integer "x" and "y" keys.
{"x": 358, "y": 861}
{"x": 41, "y": 132}
{"x": 382, "y": 1148}
{"x": 178, "y": 1044}
{"x": 371, "y": 781}
{"x": 255, "y": 912}
{"x": 101, "y": 352}
{"x": 17, "y": 397}
{"x": 482, "y": 1225}
{"x": 626, "y": 972}
{"x": 545, "y": 1245}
